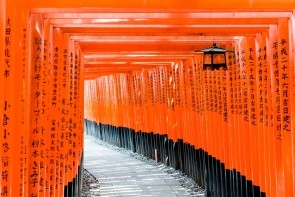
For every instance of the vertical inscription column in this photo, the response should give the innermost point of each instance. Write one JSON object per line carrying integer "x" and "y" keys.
{"x": 46, "y": 86}
{"x": 65, "y": 143}
{"x": 55, "y": 118}
{"x": 245, "y": 126}
{"x": 2, "y": 49}
{"x": 24, "y": 97}
{"x": 37, "y": 129}
{"x": 7, "y": 108}
{"x": 275, "y": 119}
{"x": 252, "y": 102}
{"x": 260, "y": 107}
{"x": 78, "y": 111}
{"x": 238, "y": 148}
{"x": 266, "y": 112}
{"x": 285, "y": 98}
{"x": 69, "y": 104}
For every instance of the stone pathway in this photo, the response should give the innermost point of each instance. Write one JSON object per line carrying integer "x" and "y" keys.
{"x": 119, "y": 174}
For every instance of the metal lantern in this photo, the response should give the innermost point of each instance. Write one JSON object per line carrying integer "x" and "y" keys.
{"x": 214, "y": 57}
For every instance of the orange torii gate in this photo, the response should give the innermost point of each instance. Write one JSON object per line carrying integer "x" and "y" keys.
{"x": 232, "y": 131}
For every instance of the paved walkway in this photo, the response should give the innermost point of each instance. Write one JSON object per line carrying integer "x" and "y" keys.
{"x": 122, "y": 175}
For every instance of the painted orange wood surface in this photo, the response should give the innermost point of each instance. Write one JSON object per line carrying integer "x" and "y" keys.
{"x": 133, "y": 64}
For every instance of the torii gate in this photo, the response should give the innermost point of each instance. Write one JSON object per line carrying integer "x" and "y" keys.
{"x": 137, "y": 58}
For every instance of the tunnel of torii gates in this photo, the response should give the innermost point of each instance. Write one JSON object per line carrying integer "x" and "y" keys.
{"x": 127, "y": 72}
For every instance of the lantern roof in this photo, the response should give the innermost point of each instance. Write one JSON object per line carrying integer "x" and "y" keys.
{"x": 214, "y": 49}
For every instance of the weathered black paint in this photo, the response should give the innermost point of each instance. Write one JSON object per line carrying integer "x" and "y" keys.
{"x": 74, "y": 188}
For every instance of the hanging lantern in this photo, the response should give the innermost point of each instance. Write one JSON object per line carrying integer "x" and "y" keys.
{"x": 214, "y": 57}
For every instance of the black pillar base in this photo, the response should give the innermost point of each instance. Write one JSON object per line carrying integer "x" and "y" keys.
{"x": 205, "y": 169}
